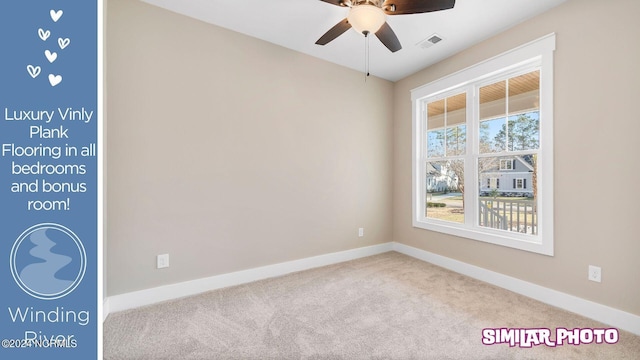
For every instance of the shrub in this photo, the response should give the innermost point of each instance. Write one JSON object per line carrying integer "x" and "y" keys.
{"x": 435, "y": 204}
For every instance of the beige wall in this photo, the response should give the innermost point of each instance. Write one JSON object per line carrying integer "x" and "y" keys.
{"x": 597, "y": 80}
{"x": 231, "y": 153}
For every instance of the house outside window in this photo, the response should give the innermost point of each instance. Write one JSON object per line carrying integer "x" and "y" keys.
{"x": 478, "y": 132}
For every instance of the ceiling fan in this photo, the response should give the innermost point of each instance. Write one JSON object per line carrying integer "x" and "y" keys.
{"x": 369, "y": 16}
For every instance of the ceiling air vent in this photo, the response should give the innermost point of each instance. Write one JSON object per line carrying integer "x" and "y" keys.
{"x": 430, "y": 41}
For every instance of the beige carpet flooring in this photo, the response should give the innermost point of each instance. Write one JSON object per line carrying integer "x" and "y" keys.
{"x": 388, "y": 306}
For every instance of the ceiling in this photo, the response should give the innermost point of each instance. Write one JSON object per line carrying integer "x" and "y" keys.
{"x": 297, "y": 24}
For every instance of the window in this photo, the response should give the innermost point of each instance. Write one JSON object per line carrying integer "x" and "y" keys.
{"x": 490, "y": 122}
{"x": 506, "y": 164}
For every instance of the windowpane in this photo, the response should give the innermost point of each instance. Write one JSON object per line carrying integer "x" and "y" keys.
{"x": 521, "y": 131}
{"x": 490, "y": 140}
{"x": 456, "y": 140}
{"x": 493, "y": 100}
{"x": 507, "y": 193}
{"x": 524, "y": 132}
{"x": 435, "y": 114}
{"x": 457, "y": 109}
{"x": 456, "y": 128}
{"x": 446, "y": 126}
{"x": 524, "y": 93}
{"x": 445, "y": 189}
{"x": 435, "y": 143}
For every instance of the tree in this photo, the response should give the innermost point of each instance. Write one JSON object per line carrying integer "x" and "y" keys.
{"x": 456, "y": 140}
{"x": 456, "y": 145}
{"x": 456, "y": 168}
{"x": 523, "y": 134}
{"x": 486, "y": 145}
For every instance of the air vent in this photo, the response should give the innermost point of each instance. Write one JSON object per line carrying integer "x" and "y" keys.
{"x": 430, "y": 41}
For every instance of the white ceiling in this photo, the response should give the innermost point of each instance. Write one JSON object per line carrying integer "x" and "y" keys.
{"x": 297, "y": 24}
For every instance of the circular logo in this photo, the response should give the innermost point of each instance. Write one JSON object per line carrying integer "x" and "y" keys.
{"x": 48, "y": 261}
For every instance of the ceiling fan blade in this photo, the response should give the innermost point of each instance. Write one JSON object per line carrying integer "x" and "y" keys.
{"x": 404, "y": 7}
{"x": 388, "y": 38}
{"x": 335, "y": 2}
{"x": 334, "y": 32}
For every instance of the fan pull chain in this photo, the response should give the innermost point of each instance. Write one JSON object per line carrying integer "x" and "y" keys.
{"x": 366, "y": 54}
{"x": 368, "y": 57}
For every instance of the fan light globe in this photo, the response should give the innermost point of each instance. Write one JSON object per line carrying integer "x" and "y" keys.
{"x": 366, "y": 18}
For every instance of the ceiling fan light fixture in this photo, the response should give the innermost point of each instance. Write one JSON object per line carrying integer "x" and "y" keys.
{"x": 366, "y": 18}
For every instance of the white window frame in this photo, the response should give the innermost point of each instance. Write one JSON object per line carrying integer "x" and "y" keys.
{"x": 536, "y": 54}
{"x": 519, "y": 184}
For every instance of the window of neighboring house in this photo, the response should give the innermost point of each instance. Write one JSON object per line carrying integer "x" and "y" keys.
{"x": 507, "y": 164}
{"x": 479, "y": 121}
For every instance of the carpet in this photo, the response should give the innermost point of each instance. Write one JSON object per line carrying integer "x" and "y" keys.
{"x": 387, "y": 306}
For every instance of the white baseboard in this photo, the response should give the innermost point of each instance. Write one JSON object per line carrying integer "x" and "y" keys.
{"x": 187, "y": 288}
{"x": 105, "y": 309}
{"x": 604, "y": 314}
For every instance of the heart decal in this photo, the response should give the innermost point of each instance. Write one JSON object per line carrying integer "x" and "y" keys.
{"x": 34, "y": 71}
{"x": 51, "y": 56}
{"x": 55, "y": 15}
{"x": 44, "y": 34}
{"x": 55, "y": 79}
{"x": 63, "y": 43}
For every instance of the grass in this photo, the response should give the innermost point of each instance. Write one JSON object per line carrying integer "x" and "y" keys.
{"x": 447, "y": 214}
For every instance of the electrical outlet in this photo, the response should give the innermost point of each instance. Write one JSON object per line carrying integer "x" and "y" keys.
{"x": 360, "y": 232}
{"x": 595, "y": 273}
{"x": 163, "y": 261}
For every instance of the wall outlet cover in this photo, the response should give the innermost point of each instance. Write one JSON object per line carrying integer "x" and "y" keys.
{"x": 162, "y": 261}
{"x": 595, "y": 273}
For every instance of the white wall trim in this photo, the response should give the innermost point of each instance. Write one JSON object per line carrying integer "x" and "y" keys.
{"x": 105, "y": 309}
{"x": 602, "y": 313}
{"x": 187, "y": 288}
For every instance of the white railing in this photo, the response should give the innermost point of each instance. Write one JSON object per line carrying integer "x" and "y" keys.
{"x": 511, "y": 215}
